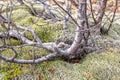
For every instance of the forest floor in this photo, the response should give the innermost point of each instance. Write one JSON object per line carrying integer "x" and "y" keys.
{"x": 103, "y": 64}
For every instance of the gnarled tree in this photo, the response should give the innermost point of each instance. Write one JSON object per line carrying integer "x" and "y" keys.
{"x": 83, "y": 29}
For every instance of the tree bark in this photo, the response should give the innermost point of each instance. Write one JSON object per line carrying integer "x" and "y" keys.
{"x": 79, "y": 31}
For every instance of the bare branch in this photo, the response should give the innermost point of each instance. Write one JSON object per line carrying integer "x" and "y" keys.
{"x": 74, "y": 21}
{"x": 101, "y": 12}
{"x": 34, "y": 61}
{"x": 114, "y": 12}
{"x": 91, "y": 8}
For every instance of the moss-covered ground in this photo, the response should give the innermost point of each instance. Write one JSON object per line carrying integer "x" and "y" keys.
{"x": 99, "y": 65}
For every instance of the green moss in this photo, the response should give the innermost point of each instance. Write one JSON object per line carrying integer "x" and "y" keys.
{"x": 19, "y": 15}
{"x": 47, "y": 32}
{"x": 45, "y": 29}
{"x": 11, "y": 71}
{"x": 27, "y": 52}
{"x": 101, "y": 66}
{"x": 22, "y": 17}
{"x": 15, "y": 42}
